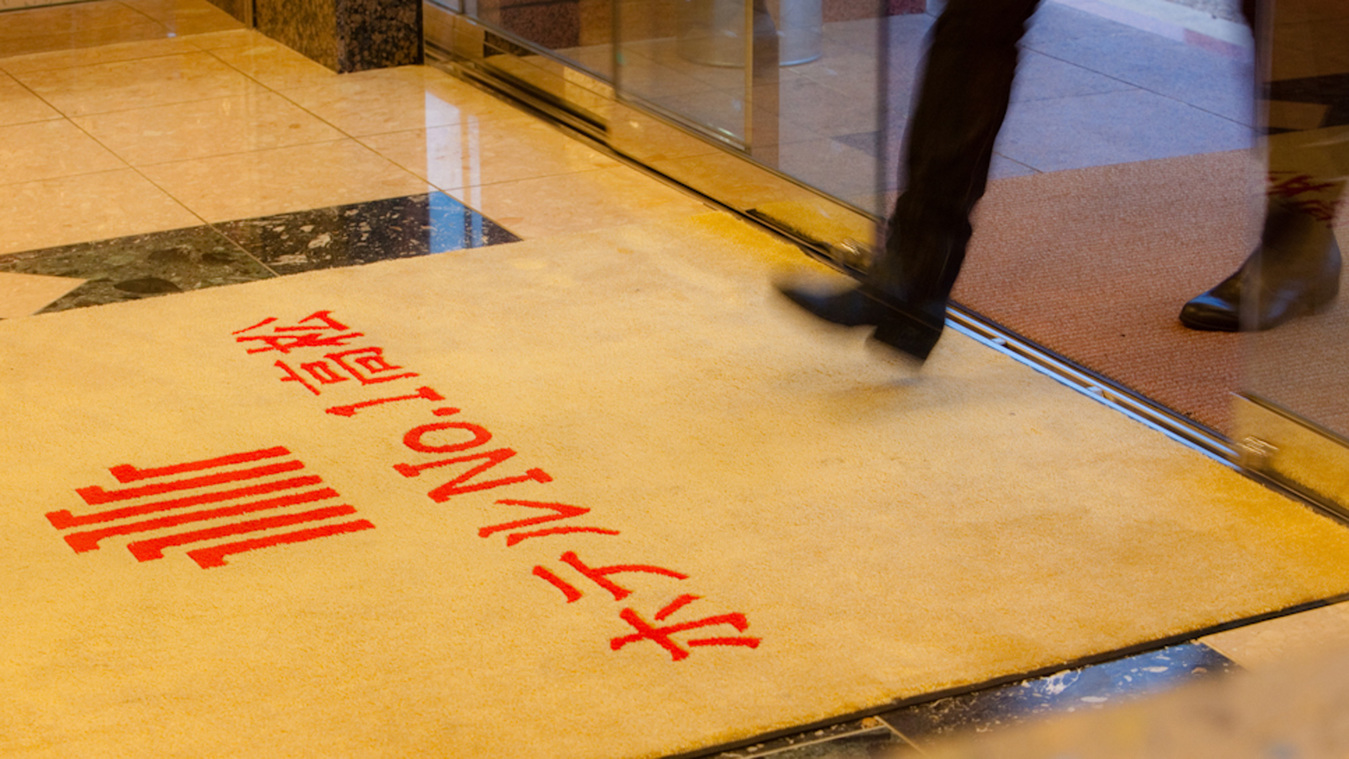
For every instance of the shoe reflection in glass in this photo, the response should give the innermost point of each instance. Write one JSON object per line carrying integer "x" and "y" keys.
{"x": 1295, "y": 269}
{"x": 967, "y": 84}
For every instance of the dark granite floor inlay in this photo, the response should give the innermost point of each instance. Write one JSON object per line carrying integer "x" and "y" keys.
{"x": 1072, "y": 690}
{"x": 161, "y": 263}
{"x": 363, "y": 233}
{"x": 139, "y": 266}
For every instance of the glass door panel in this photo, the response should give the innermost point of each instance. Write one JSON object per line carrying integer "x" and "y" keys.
{"x": 786, "y": 102}
{"x": 1295, "y": 408}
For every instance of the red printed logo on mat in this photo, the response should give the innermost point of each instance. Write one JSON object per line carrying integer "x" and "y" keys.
{"x": 451, "y": 453}
{"x": 224, "y": 506}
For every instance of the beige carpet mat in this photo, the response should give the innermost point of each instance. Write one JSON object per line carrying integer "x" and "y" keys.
{"x": 597, "y": 496}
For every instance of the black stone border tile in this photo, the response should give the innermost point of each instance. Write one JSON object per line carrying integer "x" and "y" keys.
{"x": 247, "y": 250}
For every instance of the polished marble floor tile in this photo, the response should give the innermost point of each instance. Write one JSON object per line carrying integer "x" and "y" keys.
{"x": 363, "y": 233}
{"x": 1281, "y": 641}
{"x": 203, "y": 128}
{"x": 19, "y": 105}
{"x": 579, "y": 202}
{"x": 76, "y": 25}
{"x": 87, "y": 207}
{"x": 106, "y": 87}
{"x": 1091, "y": 687}
{"x": 63, "y": 19}
{"x": 265, "y": 182}
{"x": 182, "y": 17}
{"x": 228, "y": 39}
{"x": 139, "y": 266}
{"x": 26, "y": 294}
{"x": 399, "y": 99}
{"x": 274, "y": 65}
{"x": 474, "y": 152}
{"x": 125, "y": 51}
{"x": 50, "y": 149}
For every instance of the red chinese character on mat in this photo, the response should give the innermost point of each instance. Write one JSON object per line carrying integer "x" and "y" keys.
{"x": 1292, "y": 185}
{"x": 663, "y": 636}
{"x": 318, "y": 330}
{"x": 1320, "y": 210}
{"x": 236, "y": 498}
{"x": 366, "y": 365}
{"x": 599, "y": 575}
{"x": 560, "y": 511}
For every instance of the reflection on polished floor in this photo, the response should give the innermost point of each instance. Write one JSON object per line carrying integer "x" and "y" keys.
{"x": 149, "y": 147}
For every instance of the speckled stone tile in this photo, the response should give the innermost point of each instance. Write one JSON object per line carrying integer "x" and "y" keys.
{"x": 858, "y": 739}
{"x": 1068, "y": 691}
{"x": 140, "y": 266}
{"x": 362, "y": 233}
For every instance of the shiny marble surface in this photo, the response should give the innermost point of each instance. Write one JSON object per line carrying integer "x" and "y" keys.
{"x": 124, "y": 51}
{"x": 140, "y": 266}
{"x": 363, "y": 233}
{"x": 27, "y": 294}
{"x": 105, "y": 87}
{"x": 50, "y": 149}
{"x": 89, "y": 25}
{"x": 474, "y": 152}
{"x": 183, "y": 17}
{"x": 378, "y": 33}
{"x": 86, "y": 207}
{"x": 161, "y": 263}
{"x": 204, "y": 128}
{"x": 579, "y": 202}
{"x": 300, "y": 177}
{"x": 309, "y": 26}
{"x": 18, "y": 105}
{"x": 274, "y": 65}
{"x": 397, "y": 99}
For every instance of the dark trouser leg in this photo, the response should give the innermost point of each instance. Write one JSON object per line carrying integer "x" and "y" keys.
{"x": 960, "y": 108}
{"x": 961, "y": 105}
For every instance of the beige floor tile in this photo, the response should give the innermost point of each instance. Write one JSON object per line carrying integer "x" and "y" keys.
{"x": 204, "y": 128}
{"x": 398, "y": 99}
{"x": 79, "y": 38}
{"x": 89, "y": 207}
{"x": 65, "y": 19}
{"x": 50, "y": 149}
{"x": 477, "y": 153}
{"x": 276, "y": 66}
{"x": 19, "y": 105}
{"x": 127, "y": 51}
{"x": 578, "y": 202}
{"x": 26, "y": 294}
{"x": 286, "y": 179}
{"x": 231, "y": 38}
{"x": 186, "y": 16}
{"x": 1279, "y": 641}
{"x": 138, "y": 84}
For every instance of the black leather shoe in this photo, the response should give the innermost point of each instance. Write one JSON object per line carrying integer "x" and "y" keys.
{"x": 898, "y": 325}
{"x": 1295, "y": 270}
{"x": 1259, "y": 297}
{"x": 847, "y": 308}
